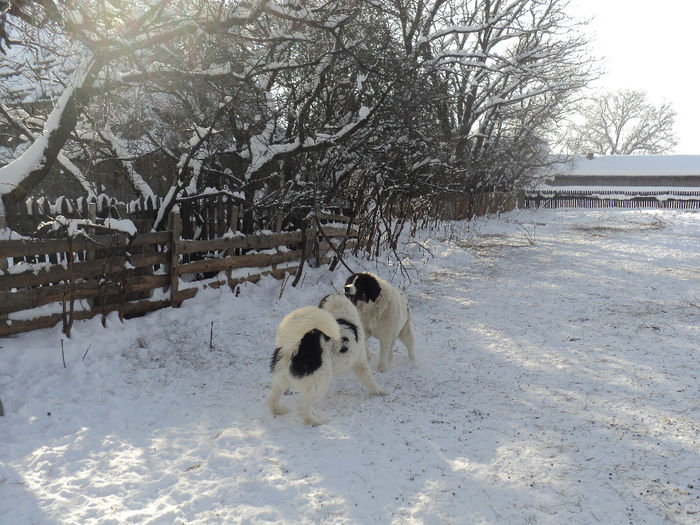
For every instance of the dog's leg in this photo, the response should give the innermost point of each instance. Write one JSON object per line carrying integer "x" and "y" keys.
{"x": 364, "y": 374}
{"x": 311, "y": 394}
{"x": 408, "y": 338}
{"x": 386, "y": 349}
{"x": 280, "y": 384}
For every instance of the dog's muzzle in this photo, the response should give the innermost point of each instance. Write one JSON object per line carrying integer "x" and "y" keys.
{"x": 349, "y": 293}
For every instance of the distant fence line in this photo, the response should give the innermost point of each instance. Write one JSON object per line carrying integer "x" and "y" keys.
{"x": 44, "y": 282}
{"x": 462, "y": 207}
{"x": 612, "y": 198}
{"x": 211, "y": 216}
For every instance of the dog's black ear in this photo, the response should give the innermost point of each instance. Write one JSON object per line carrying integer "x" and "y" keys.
{"x": 323, "y": 301}
{"x": 368, "y": 287}
{"x": 350, "y": 279}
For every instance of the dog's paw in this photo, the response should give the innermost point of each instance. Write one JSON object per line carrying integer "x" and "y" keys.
{"x": 315, "y": 421}
{"x": 379, "y": 392}
{"x": 279, "y": 410}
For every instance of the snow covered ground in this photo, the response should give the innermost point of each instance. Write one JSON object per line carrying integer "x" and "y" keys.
{"x": 558, "y": 383}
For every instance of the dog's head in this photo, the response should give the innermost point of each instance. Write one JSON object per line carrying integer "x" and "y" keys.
{"x": 362, "y": 287}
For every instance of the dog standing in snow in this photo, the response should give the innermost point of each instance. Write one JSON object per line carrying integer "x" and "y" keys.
{"x": 310, "y": 351}
{"x": 353, "y": 353}
{"x": 384, "y": 313}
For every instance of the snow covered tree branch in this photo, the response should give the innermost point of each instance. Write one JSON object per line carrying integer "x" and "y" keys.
{"x": 33, "y": 165}
{"x": 293, "y": 104}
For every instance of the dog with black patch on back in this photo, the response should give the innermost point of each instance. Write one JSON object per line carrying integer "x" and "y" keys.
{"x": 384, "y": 313}
{"x": 311, "y": 350}
{"x": 353, "y": 353}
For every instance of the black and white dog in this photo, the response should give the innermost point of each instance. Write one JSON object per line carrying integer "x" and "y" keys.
{"x": 384, "y": 313}
{"x": 353, "y": 352}
{"x": 312, "y": 348}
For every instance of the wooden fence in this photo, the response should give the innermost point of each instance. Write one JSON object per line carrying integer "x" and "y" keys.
{"x": 142, "y": 212}
{"x": 466, "y": 207}
{"x": 613, "y": 198}
{"x": 50, "y": 281}
{"x": 207, "y": 216}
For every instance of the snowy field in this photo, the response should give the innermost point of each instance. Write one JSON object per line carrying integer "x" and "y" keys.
{"x": 557, "y": 383}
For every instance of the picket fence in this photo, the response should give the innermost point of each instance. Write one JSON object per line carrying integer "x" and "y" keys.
{"x": 35, "y": 211}
{"x": 44, "y": 282}
{"x": 613, "y": 198}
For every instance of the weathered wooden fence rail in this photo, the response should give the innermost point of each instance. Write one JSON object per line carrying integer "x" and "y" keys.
{"x": 51, "y": 281}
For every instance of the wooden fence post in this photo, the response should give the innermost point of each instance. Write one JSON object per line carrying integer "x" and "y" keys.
{"x": 175, "y": 227}
{"x": 315, "y": 248}
{"x": 3, "y": 266}
{"x": 233, "y": 222}
{"x": 90, "y": 255}
{"x": 234, "y": 209}
{"x": 278, "y": 221}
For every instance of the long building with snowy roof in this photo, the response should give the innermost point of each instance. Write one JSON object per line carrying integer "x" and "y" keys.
{"x": 621, "y": 181}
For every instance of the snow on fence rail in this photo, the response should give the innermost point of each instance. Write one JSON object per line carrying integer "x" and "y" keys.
{"x": 613, "y": 198}
{"x": 44, "y": 282}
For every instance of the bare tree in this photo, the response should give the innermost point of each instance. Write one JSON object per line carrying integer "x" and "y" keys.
{"x": 624, "y": 123}
{"x": 43, "y": 40}
{"x": 500, "y": 73}
{"x": 286, "y": 105}
{"x": 230, "y": 92}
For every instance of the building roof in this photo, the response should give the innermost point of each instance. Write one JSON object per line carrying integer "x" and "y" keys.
{"x": 633, "y": 165}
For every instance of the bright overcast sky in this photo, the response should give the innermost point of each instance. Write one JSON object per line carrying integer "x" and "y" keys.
{"x": 654, "y": 46}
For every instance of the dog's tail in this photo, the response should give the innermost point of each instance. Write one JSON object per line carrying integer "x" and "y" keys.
{"x": 295, "y": 325}
{"x": 299, "y": 336}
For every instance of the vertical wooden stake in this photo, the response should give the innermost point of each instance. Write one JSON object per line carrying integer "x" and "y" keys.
{"x": 175, "y": 226}
{"x": 90, "y": 255}
{"x": 3, "y": 266}
{"x": 315, "y": 248}
{"x": 278, "y": 222}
